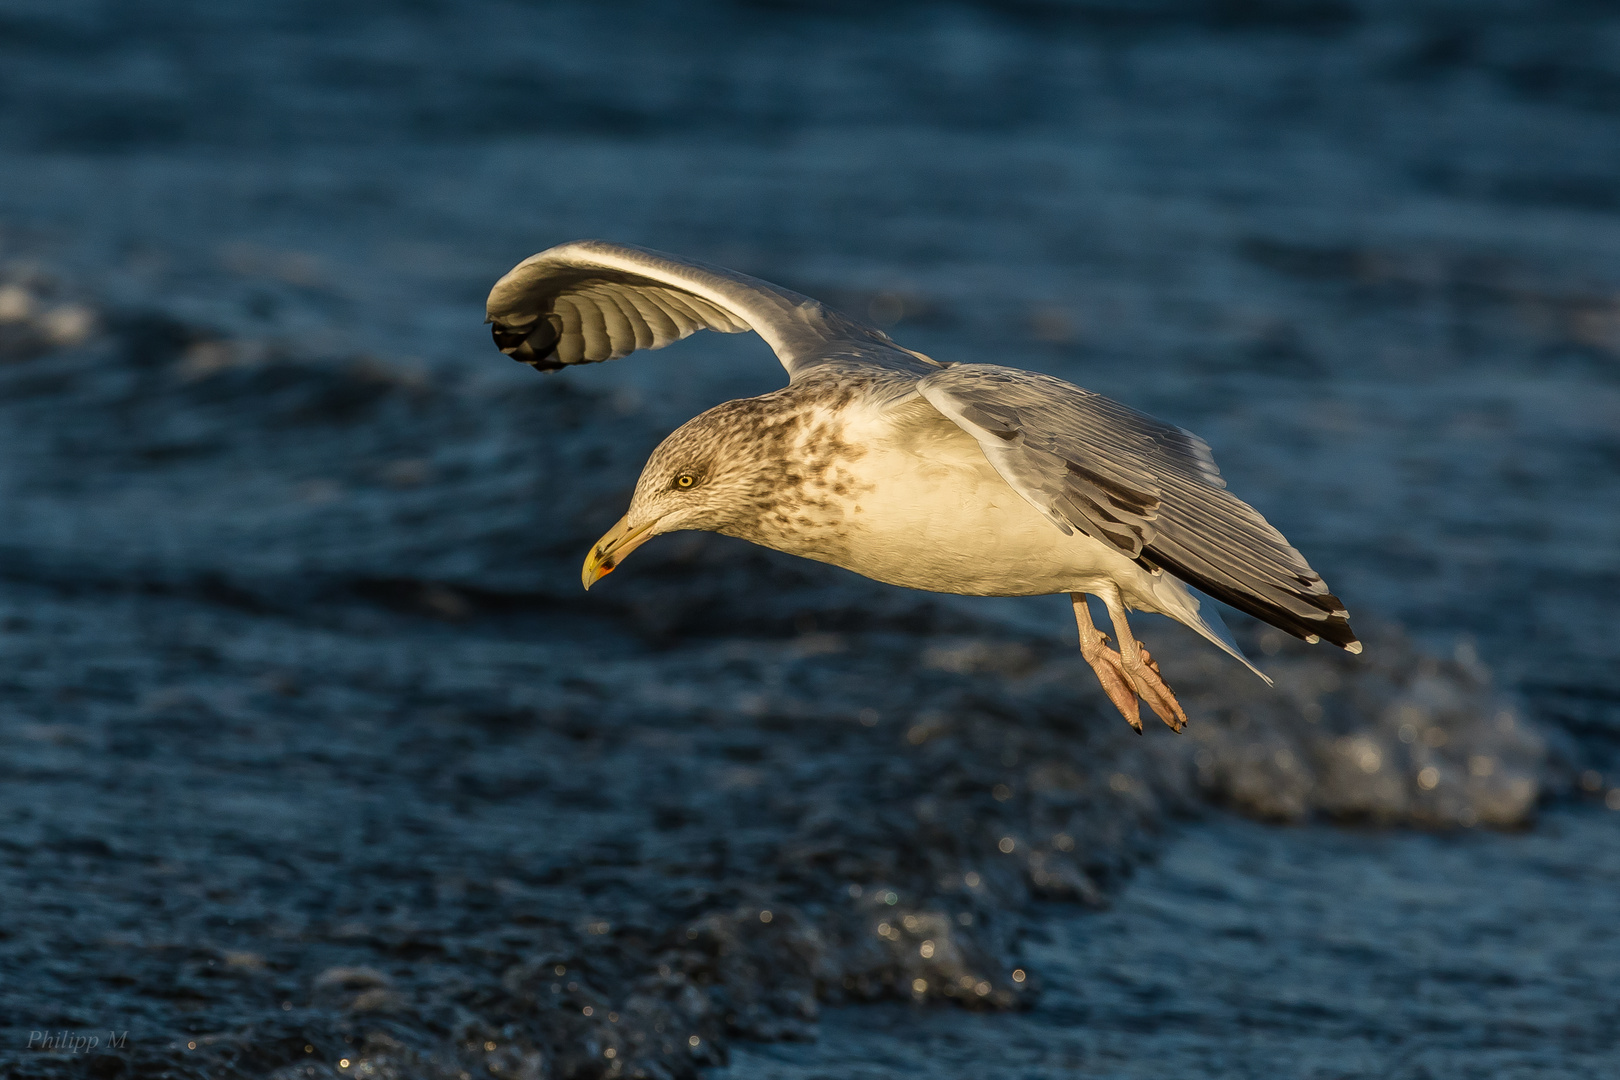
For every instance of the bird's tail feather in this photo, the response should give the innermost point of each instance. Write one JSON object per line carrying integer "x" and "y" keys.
{"x": 1192, "y": 608}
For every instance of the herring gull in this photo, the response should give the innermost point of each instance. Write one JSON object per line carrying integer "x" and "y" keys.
{"x": 966, "y": 478}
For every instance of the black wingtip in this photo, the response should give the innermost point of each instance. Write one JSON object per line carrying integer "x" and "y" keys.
{"x": 1332, "y": 624}
{"x": 535, "y": 345}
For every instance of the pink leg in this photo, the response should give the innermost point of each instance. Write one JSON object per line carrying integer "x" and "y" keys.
{"x": 1138, "y": 668}
{"x": 1106, "y": 663}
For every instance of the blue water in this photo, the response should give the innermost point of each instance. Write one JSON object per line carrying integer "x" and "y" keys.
{"x": 1370, "y": 251}
{"x": 1256, "y": 952}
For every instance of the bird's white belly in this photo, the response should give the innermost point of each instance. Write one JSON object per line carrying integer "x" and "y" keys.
{"x": 947, "y": 522}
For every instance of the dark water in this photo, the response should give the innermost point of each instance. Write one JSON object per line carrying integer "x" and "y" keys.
{"x": 1252, "y": 952}
{"x": 312, "y": 742}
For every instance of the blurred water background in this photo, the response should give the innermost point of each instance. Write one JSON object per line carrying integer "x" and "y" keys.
{"x": 1369, "y": 250}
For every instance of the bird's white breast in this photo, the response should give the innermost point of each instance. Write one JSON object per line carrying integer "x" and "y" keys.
{"x": 925, "y": 510}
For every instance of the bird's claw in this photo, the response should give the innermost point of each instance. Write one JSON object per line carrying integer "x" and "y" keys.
{"x": 1127, "y": 679}
{"x": 1151, "y": 687}
{"x": 1115, "y": 682}
{"x": 1127, "y": 689}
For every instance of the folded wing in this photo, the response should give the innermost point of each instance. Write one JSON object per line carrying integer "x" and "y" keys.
{"x": 1149, "y": 489}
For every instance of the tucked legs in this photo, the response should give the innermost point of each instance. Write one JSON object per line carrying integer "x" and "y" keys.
{"x": 1128, "y": 674}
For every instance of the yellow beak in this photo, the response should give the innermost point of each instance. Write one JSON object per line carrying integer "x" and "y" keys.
{"x": 608, "y": 552}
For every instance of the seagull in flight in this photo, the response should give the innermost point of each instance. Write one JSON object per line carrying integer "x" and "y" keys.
{"x": 966, "y": 478}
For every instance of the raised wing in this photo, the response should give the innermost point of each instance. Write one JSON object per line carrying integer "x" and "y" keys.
{"x": 588, "y": 301}
{"x": 1148, "y": 488}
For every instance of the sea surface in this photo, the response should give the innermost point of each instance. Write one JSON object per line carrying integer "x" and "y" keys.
{"x": 1369, "y": 250}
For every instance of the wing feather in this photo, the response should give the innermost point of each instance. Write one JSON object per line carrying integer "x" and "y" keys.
{"x": 645, "y": 337}
{"x": 590, "y": 301}
{"x": 571, "y": 345}
{"x": 661, "y": 329}
{"x": 621, "y": 327}
{"x": 593, "y": 326}
{"x": 1149, "y": 489}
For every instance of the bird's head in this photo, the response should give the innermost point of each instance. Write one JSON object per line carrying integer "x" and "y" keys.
{"x": 704, "y": 476}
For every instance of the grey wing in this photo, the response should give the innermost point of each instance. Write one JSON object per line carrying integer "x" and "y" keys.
{"x": 589, "y": 301}
{"x": 1148, "y": 488}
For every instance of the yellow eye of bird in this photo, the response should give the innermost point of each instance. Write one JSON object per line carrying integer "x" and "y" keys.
{"x": 685, "y": 480}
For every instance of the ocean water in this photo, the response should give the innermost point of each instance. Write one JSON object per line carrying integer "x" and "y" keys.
{"x": 1367, "y": 250}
